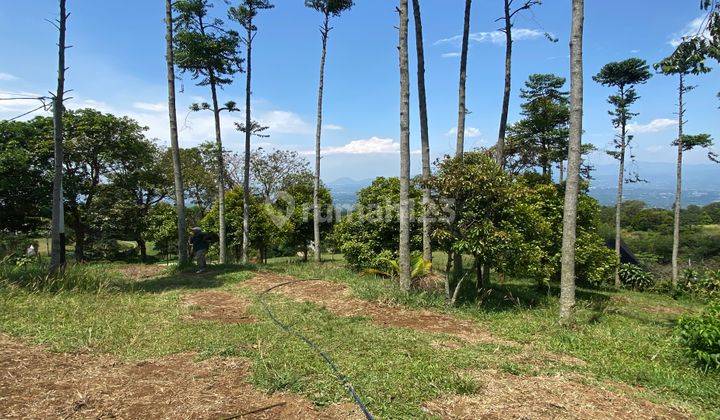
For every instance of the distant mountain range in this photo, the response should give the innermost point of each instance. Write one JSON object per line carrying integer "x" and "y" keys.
{"x": 701, "y": 185}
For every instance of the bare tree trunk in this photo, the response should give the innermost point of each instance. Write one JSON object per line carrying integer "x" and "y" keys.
{"x": 325, "y": 30}
{"x": 424, "y": 135}
{"x": 678, "y": 186}
{"x": 462, "y": 110}
{"x": 174, "y": 144}
{"x": 57, "y": 254}
{"x": 221, "y": 171}
{"x": 567, "y": 276}
{"x": 500, "y": 147}
{"x": 248, "y": 133}
{"x": 404, "y": 254}
{"x": 618, "y": 203}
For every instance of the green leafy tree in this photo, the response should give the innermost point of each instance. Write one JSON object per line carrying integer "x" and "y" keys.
{"x": 368, "y": 236}
{"x": 688, "y": 59}
{"x": 624, "y": 76}
{"x": 137, "y": 183}
{"x": 296, "y": 201}
{"x": 26, "y": 174}
{"x": 268, "y": 226}
{"x": 271, "y": 172}
{"x": 96, "y": 144}
{"x": 328, "y": 8}
{"x": 209, "y": 53}
{"x": 490, "y": 223}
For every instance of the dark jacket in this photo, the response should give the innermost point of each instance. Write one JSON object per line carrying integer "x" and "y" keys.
{"x": 199, "y": 242}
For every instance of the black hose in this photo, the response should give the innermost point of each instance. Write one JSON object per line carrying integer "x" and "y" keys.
{"x": 340, "y": 377}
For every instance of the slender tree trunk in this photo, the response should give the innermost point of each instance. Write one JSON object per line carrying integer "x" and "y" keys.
{"x": 448, "y": 267}
{"x": 561, "y": 169}
{"x": 404, "y": 254}
{"x": 174, "y": 144}
{"x": 462, "y": 110}
{"x": 619, "y": 202}
{"x": 500, "y": 148}
{"x": 567, "y": 276}
{"x": 57, "y": 253}
{"x": 678, "y": 186}
{"x": 318, "y": 134}
{"x": 246, "y": 166}
{"x": 221, "y": 170}
{"x": 424, "y": 135}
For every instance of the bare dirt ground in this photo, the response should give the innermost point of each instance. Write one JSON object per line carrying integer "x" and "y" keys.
{"x": 337, "y": 298}
{"x": 218, "y": 306}
{"x": 508, "y": 396}
{"x": 35, "y": 383}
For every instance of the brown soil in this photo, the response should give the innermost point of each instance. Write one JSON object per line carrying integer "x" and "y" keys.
{"x": 140, "y": 271}
{"x": 545, "y": 397}
{"x": 35, "y": 383}
{"x": 218, "y": 306}
{"x": 337, "y": 298}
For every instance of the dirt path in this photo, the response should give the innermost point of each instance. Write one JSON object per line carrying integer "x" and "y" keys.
{"x": 508, "y": 396}
{"x": 337, "y": 298}
{"x": 35, "y": 383}
{"x": 219, "y": 306}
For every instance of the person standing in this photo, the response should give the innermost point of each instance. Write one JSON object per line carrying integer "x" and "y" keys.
{"x": 200, "y": 245}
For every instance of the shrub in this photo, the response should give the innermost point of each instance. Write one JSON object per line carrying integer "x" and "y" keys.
{"x": 703, "y": 283}
{"x": 635, "y": 277}
{"x": 700, "y": 336}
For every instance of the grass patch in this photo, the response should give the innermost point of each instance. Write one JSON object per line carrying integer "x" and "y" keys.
{"x": 621, "y": 336}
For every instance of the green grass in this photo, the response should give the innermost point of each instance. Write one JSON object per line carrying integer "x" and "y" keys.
{"x": 622, "y": 337}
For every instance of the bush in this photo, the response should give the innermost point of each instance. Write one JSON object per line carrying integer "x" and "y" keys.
{"x": 700, "y": 337}
{"x": 635, "y": 277}
{"x": 82, "y": 278}
{"x": 703, "y": 283}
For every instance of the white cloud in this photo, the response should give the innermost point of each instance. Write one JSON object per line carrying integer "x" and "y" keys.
{"x": 654, "y": 126}
{"x": 373, "y": 145}
{"x": 451, "y": 54}
{"x": 285, "y": 122}
{"x": 332, "y": 127}
{"x": 693, "y": 28}
{"x": 470, "y": 132}
{"x": 153, "y": 107}
{"x": 494, "y": 37}
{"x": 6, "y": 77}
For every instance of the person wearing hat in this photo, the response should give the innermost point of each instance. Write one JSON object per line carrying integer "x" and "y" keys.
{"x": 200, "y": 246}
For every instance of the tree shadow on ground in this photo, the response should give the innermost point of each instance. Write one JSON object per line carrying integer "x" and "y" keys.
{"x": 188, "y": 279}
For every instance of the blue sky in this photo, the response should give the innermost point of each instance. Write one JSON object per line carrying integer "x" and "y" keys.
{"x": 117, "y": 65}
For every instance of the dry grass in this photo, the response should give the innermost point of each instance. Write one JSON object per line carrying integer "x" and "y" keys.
{"x": 35, "y": 383}
{"x": 506, "y": 396}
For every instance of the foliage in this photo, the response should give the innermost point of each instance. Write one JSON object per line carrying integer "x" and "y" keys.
{"x": 202, "y": 46}
{"x": 297, "y": 202}
{"x": 330, "y": 7}
{"x": 540, "y": 139}
{"x": 271, "y": 172}
{"x": 419, "y": 268}
{"x": 370, "y": 234}
{"x": 700, "y": 336}
{"x": 636, "y": 277}
{"x": 268, "y": 226}
{"x": 703, "y": 282}
{"x": 26, "y": 153}
{"x": 494, "y": 223}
